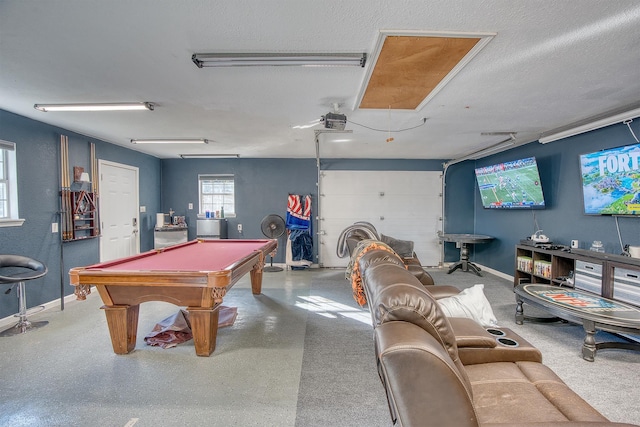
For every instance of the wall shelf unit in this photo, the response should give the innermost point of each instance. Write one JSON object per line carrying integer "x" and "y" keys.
{"x": 81, "y": 219}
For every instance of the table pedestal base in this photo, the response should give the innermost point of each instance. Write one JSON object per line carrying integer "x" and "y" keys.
{"x": 464, "y": 264}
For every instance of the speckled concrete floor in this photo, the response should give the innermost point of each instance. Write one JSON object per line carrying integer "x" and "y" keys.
{"x": 66, "y": 373}
{"x": 300, "y": 354}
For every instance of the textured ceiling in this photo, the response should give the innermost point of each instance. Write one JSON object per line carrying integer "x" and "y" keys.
{"x": 548, "y": 65}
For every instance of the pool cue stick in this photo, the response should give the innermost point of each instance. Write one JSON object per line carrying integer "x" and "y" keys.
{"x": 63, "y": 205}
{"x": 94, "y": 184}
{"x": 65, "y": 188}
{"x": 68, "y": 173}
{"x": 67, "y": 191}
{"x": 62, "y": 275}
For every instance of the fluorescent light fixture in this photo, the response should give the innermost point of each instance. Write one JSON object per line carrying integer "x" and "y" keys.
{"x": 597, "y": 124}
{"x": 279, "y": 59}
{"x": 484, "y": 152}
{"x": 171, "y": 141}
{"x": 121, "y": 106}
{"x": 209, "y": 156}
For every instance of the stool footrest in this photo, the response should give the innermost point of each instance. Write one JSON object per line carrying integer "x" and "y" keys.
{"x": 22, "y": 327}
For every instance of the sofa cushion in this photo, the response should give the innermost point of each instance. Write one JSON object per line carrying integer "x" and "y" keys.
{"x": 404, "y": 248}
{"x": 470, "y": 303}
{"x": 395, "y": 294}
{"x": 506, "y": 391}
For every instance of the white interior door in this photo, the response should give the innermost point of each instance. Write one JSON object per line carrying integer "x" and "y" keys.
{"x": 406, "y": 205}
{"x": 118, "y": 210}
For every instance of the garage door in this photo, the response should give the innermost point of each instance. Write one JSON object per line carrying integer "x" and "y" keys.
{"x": 406, "y": 205}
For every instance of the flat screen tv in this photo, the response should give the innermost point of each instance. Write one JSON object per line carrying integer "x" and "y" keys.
{"x": 611, "y": 181}
{"x": 511, "y": 185}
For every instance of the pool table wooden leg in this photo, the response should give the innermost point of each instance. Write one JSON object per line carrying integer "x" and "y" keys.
{"x": 204, "y": 327}
{"x": 256, "y": 280}
{"x": 123, "y": 326}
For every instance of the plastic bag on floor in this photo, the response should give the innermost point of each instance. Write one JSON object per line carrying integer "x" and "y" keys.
{"x": 176, "y": 328}
{"x": 171, "y": 331}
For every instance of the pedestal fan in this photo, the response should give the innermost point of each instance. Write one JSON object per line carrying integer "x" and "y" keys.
{"x": 272, "y": 226}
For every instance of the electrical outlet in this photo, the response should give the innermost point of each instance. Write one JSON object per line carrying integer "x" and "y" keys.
{"x": 240, "y": 228}
{"x": 54, "y": 227}
{"x": 190, "y": 206}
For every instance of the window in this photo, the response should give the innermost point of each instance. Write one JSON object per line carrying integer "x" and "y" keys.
{"x": 217, "y": 192}
{"x": 8, "y": 185}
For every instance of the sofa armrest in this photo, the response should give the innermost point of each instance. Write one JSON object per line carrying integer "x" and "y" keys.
{"x": 470, "y": 333}
{"x": 478, "y": 345}
{"x": 504, "y": 351}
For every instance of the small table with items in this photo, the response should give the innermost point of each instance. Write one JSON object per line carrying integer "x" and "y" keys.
{"x": 463, "y": 241}
{"x": 592, "y": 311}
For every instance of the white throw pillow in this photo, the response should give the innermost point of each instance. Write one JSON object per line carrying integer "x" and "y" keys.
{"x": 470, "y": 303}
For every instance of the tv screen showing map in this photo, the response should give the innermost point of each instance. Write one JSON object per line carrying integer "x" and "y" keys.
{"x": 511, "y": 185}
{"x": 611, "y": 181}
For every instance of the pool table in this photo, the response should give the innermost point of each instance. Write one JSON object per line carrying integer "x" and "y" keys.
{"x": 196, "y": 274}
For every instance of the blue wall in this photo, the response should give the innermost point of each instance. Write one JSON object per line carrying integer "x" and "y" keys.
{"x": 262, "y": 186}
{"x": 563, "y": 219}
{"x": 38, "y": 160}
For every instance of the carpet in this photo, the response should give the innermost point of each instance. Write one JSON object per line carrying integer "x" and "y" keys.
{"x": 339, "y": 384}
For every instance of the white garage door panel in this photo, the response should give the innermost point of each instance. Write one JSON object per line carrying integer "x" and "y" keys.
{"x": 401, "y": 204}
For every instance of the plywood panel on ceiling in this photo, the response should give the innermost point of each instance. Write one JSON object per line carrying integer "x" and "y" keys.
{"x": 410, "y": 67}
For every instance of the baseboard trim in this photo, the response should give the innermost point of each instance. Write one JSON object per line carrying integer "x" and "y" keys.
{"x": 500, "y": 274}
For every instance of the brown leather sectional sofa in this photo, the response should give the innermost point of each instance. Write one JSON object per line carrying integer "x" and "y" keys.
{"x": 440, "y": 371}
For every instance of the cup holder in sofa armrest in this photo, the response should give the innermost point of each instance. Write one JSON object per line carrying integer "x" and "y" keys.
{"x": 497, "y": 332}
{"x": 508, "y": 342}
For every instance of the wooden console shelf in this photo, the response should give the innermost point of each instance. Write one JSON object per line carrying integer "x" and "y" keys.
{"x": 611, "y": 276}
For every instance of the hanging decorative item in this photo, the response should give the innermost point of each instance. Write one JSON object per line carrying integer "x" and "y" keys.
{"x": 389, "y": 137}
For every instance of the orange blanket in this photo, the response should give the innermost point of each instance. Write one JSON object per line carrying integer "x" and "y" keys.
{"x": 353, "y": 269}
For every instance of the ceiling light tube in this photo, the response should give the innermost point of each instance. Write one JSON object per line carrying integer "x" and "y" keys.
{"x": 577, "y": 130}
{"x": 494, "y": 149}
{"x": 209, "y": 156}
{"x": 279, "y": 59}
{"x": 171, "y": 141}
{"x": 121, "y": 106}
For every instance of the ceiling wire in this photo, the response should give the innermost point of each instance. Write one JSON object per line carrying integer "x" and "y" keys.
{"x": 389, "y": 137}
{"x": 424, "y": 120}
{"x": 628, "y": 123}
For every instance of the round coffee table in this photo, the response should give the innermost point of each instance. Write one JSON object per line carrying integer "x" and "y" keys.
{"x": 592, "y": 311}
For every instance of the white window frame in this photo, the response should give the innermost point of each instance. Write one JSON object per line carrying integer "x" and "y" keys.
{"x": 10, "y": 179}
{"x": 229, "y": 205}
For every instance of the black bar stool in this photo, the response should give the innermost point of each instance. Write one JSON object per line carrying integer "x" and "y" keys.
{"x": 21, "y": 269}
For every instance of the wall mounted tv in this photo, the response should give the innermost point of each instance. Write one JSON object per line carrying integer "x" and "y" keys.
{"x": 511, "y": 185}
{"x": 611, "y": 181}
